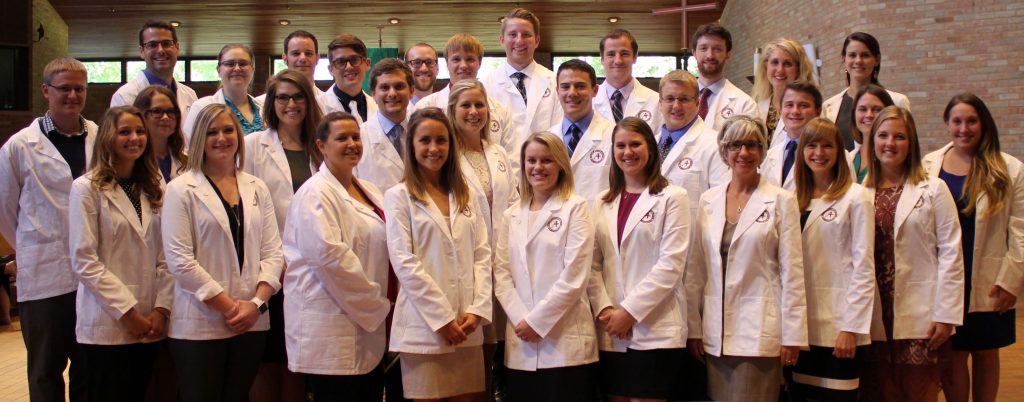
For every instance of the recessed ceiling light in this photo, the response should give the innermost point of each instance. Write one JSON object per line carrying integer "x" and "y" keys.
{"x": 613, "y": 19}
{"x": 393, "y": 21}
{"x": 284, "y": 22}
{"x": 175, "y": 24}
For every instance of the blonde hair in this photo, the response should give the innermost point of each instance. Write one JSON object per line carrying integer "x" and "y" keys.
{"x": 144, "y": 172}
{"x": 460, "y": 88}
{"x": 805, "y": 69}
{"x": 523, "y": 14}
{"x": 452, "y": 180}
{"x": 680, "y": 77}
{"x": 63, "y": 65}
{"x": 197, "y": 145}
{"x": 561, "y": 155}
{"x": 989, "y": 175}
{"x": 820, "y": 130}
{"x": 464, "y": 42}
{"x": 740, "y": 127}
{"x": 913, "y": 171}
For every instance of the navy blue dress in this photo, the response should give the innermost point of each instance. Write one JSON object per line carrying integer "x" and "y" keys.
{"x": 985, "y": 329}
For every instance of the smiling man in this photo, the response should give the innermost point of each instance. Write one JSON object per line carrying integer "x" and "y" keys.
{"x": 349, "y": 63}
{"x": 621, "y": 94}
{"x": 158, "y": 46}
{"x": 587, "y": 135}
{"x": 718, "y": 99}
{"x": 385, "y": 131}
{"x": 801, "y": 102}
{"x": 527, "y": 88}
{"x": 301, "y": 53}
{"x": 422, "y": 60}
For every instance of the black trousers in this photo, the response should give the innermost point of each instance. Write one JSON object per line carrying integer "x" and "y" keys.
{"x": 118, "y": 373}
{"x": 48, "y": 328}
{"x": 220, "y": 370}
{"x": 367, "y": 387}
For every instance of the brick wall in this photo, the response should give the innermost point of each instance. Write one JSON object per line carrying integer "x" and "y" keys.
{"x": 931, "y": 50}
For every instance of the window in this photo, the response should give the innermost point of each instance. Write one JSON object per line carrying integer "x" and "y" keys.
{"x": 133, "y": 68}
{"x": 645, "y": 67}
{"x": 691, "y": 66}
{"x": 203, "y": 70}
{"x": 593, "y": 61}
{"x": 321, "y": 73}
{"x": 103, "y": 72}
{"x": 488, "y": 64}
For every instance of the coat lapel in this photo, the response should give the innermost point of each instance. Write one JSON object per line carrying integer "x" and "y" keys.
{"x": 116, "y": 196}
{"x": 643, "y": 206}
{"x": 756, "y": 210}
{"x": 272, "y": 144}
{"x": 912, "y": 194}
{"x": 209, "y": 198}
{"x": 817, "y": 210}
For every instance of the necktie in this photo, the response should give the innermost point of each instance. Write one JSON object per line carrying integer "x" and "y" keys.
{"x": 787, "y": 162}
{"x": 666, "y": 147}
{"x": 520, "y": 83}
{"x": 617, "y": 106}
{"x": 395, "y": 136}
{"x": 574, "y": 132}
{"x": 702, "y": 102}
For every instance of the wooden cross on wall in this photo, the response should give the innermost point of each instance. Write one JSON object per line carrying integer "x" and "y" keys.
{"x": 684, "y": 8}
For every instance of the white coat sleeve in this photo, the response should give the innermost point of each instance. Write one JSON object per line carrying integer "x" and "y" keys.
{"x": 483, "y": 294}
{"x": 335, "y": 265}
{"x": 271, "y": 254}
{"x": 179, "y": 246}
{"x": 597, "y": 292}
{"x": 506, "y": 135}
{"x": 425, "y": 295}
{"x": 10, "y": 188}
{"x": 84, "y": 239}
{"x": 666, "y": 275}
{"x": 164, "y": 279}
{"x": 572, "y": 281}
{"x": 695, "y": 275}
{"x": 860, "y": 288}
{"x": 949, "y": 281}
{"x": 117, "y": 99}
{"x": 504, "y": 285}
{"x": 1011, "y": 275}
{"x": 791, "y": 267}
{"x": 188, "y": 123}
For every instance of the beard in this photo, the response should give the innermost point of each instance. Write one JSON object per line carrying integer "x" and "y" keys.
{"x": 709, "y": 70}
{"x": 424, "y": 87}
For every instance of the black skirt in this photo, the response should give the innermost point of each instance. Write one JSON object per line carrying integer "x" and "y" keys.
{"x": 819, "y": 375}
{"x": 986, "y": 330}
{"x": 649, "y": 374}
{"x": 274, "y": 351}
{"x": 561, "y": 384}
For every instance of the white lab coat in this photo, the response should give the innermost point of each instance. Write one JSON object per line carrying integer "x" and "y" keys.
{"x": 642, "y": 103}
{"x": 727, "y": 102}
{"x": 998, "y": 240}
{"x": 830, "y": 108}
{"x": 126, "y": 94}
{"x": 35, "y": 182}
{"x": 643, "y": 274}
{"x": 118, "y": 260}
{"x": 329, "y": 102}
{"x": 501, "y": 131}
{"x": 761, "y": 304}
{"x": 929, "y": 262}
{"x": 839, "y": 267}
{"x": 540, "y": 276}
{"x": 780, "y": 127}
{"x": 695, "y": 163}
{"x": 265, "y": 159}
{"x": 444, "y": 270}
{"x": 201, "y": 254}
{"x": 189, "y": 122}
{"x": 381, "y": 164}
{"x": 336, "y": 280}
{"x": 504, "y": 188}
{"x": 592, "y": 158}
{"x": 543, "y": 109}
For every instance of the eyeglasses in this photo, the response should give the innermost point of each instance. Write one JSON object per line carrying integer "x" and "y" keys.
{"x": 68, "y": 89}
{"x": 153, "y": 44}
{"x": 160, "y": 113}
{"x": 735, "y": 146}
{"x": 424, "y": 62}
{"x": 235, "y": 63}
{"x": 683, "y": 99}
{"x": 341, "y": 62}
{"x": 282, "y": 99}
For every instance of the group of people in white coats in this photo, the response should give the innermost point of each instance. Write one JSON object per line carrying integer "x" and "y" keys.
{"x": 623, "y": 243}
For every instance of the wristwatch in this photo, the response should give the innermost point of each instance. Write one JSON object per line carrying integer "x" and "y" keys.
{"x": 260, "y": 304}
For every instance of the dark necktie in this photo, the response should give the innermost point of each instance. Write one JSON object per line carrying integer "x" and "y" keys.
{"x": 395, "y": 136}
{"x": 574, "y": 133}
{"x": 520, "y": 84}
{"x": 787, "y": 161}
{"x": 702, "y": 103}
{"x": 666, "y": 147}
{"x": 617, "y": 106}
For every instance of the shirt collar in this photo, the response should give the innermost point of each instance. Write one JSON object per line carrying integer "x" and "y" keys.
{"x": 153, "y": 80}
{"x": 715, "y": 87}
{"x": 386, "y": 124}
{"x": 626, "y": 90}
{"x": 50, "y": 128}
{"x": 677, "y": 134}
{"x": 346, "y": 98}
{"x": 583, "y": 124}
{"x": 529, "y": 70}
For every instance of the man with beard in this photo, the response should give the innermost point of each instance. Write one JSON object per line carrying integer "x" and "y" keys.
{"x": 422, "y": 59}
{"x": 718, "y": 99}
{"x": 622, "y": 95}
{"x": 158, "y": 46}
